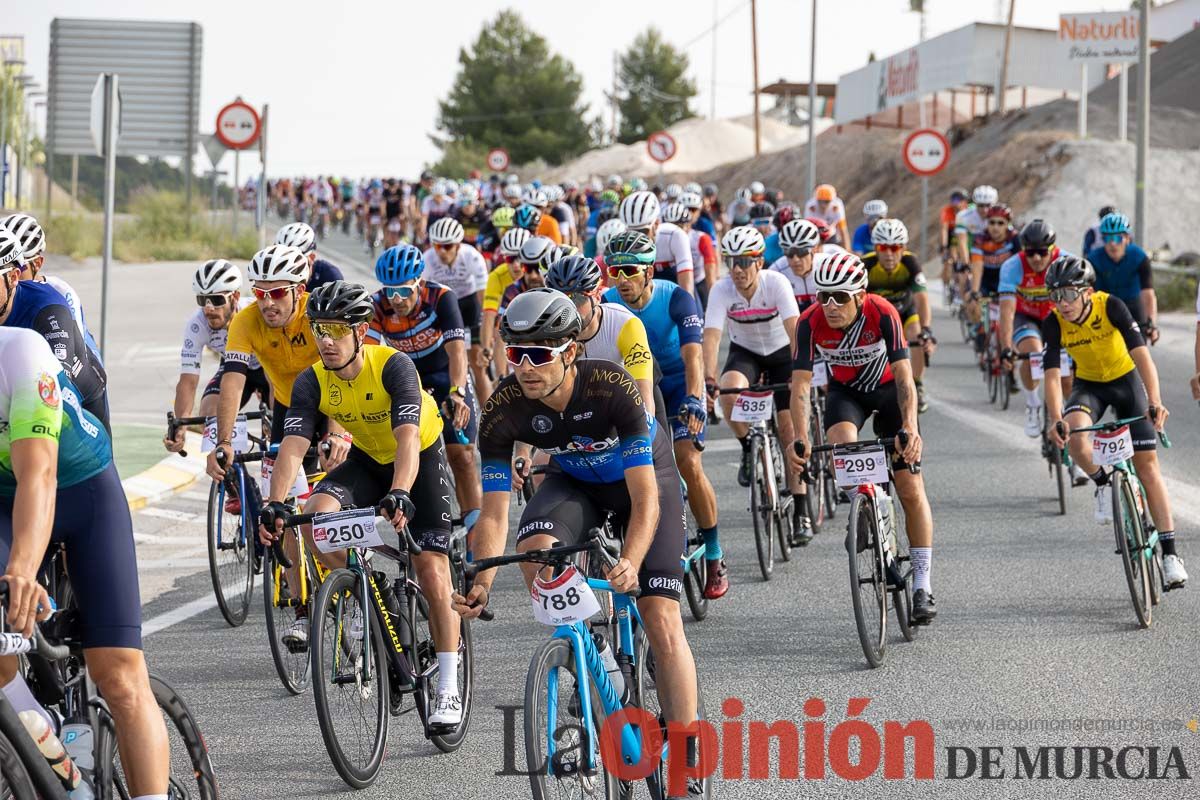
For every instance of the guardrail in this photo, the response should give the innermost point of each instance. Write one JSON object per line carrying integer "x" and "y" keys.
{"x": 1171, "y": 269}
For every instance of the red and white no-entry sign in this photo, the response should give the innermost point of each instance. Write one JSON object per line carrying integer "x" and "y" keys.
{"x": 926, "y": 152}
{"x": 661, "y": 146}
{"x": 238, "y": 125}
{"x": 497, "y": 159}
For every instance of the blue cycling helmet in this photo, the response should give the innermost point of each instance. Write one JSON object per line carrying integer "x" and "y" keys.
{"x": 1113, "y": 223}
{"x": 401, "y": 263}
{"x": 527, "y": 217}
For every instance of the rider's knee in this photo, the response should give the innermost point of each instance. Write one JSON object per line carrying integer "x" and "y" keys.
{"x": 122, "y": 679}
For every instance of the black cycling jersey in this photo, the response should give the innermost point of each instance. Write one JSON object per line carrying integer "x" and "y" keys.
{"x": 322, "y": 273}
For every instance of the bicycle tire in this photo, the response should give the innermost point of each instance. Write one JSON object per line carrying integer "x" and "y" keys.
{"x": 694, "y": 579}
{"x": 815, "y": 495}
{"x": 361, "y": 769}
{"x": 449, "y": 742}
{"x": 26, "y": 771}
{"x": 1006, "y": 386}
{"x": 764, "y": 537}
{"x": 1060, "y": 479}
{"x": 230, "y": 559}
{"x": 1131, "y": 539}
{"x": 862, "y": 530}
{"x": 293, "y": 668}
{"x": 784, "y": 502}
{"x": 556, "y": 657}
{"x": 15, "y": 783}
{"x": 902, "y": 597}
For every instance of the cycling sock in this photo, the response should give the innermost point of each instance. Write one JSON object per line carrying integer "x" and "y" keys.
{"x": 1032, "y": 400}
{"x": 922, "y": 561}
{"x": 22, "y": 699}
{"x": 712, "y": 543}
{"x": 151, "y": 797}
{"x": 1100, "y": 477}
{"x": 448, "y": 672}
{"x": 1166, "y": 538}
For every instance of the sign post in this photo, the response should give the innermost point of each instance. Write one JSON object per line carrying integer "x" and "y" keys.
{"x": 662, "y": 148}
{"x": 262, "y": 182}
{"x": 497, "y": 159}
{"x": 106, "y": 129}
{"x": 926, "y": 152}
{"x": 238, "y": 127}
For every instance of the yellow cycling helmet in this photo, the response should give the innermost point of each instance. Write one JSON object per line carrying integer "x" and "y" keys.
{"x": 502, "y": 218}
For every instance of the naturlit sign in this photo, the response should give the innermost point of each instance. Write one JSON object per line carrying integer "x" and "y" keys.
{"x": 1104, "y": 38}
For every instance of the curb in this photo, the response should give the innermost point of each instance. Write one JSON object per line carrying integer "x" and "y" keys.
{"x": 170, "y": 475}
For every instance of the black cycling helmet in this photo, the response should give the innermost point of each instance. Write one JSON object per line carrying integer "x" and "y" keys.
{"x": 573, "y": 274}
{"x": 629, "y": 247}
{"x": 540, "y": 315}
{"x": 1067, "y": 271}
{"x": 710, "y": 190}
{"x": 1038, "y": 233}
{"x": 762, "y": 211}
{"x": 1106, "y": 210}
{"x": 605, "y": 214}
{"x": 341, "y": 301}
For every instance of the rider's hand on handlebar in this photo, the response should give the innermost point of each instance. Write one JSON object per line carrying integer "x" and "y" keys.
{"x": 339, "y": 448}
{"x": 176, "y": 444}
{"x": 1158, "y": 415}
{"x": 624, "y": 575}
{"x": 798, "y": 462}
{"x": 1058, "y": 432}
{"x": 270, "y": 521}
{"x": 473, "y": 604}
{"x": 214, "y": 469}
{"x": 27, "y": 603}
{"x": 520, "y": 473}
{"x": 910, "y": 451}
{"x": 398, "y": 507}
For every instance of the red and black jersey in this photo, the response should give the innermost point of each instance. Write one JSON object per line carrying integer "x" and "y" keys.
{"x": 859, "y": 356}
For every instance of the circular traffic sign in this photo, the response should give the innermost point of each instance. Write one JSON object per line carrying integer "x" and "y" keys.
{"x": 926, "y": 152}
{"x": 497, "y": 159}
{"x": 661, "y": 146}
{"x": 238, "y": 125}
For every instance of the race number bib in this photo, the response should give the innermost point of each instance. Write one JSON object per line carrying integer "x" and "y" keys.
{"x": 753, "y": 407}
{"x": 374, "y": 219}
{"x": 1035, "y": 365}
{"x": 860, "y": 466}
{"x": 564, "y": 600}
{"x": 241, "y": 437}
{"x": 299, "y": 486}
{"x": 820, "y": 374}
{"x": 1112, "y": 448}
{"x": 341, "y": 530}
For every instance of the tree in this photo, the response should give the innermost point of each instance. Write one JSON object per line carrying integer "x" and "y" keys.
{"x": 653, "y": 87}
{"x": 512, "y": 92}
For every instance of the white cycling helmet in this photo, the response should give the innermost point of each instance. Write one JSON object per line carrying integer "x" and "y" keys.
{"x": 674, "y": 190}
{"x": 440, "y": 188}
{"x": 639, "y": 210}
{"x": 875, "y": 208}
{"x": 535, "y": 197}
{"x": 511, "y": 241}
{"x": 676, "y": 213}
{"x": 512, "y": 191}
{"x": 553, "y": 193}
{"x": 28, "y": 232}
{"x": 742, "y": 193}
{"x": 799, "y": 233}
{"x": 10, "y": 252}
{"x": 513, "y": 179}
{"x": 691, "y": 200}
{"x": 614, "y": 181}
{"x": 607, "y": 231}
{"x": 638, "y": 184}
{"x": 985, "y": 195}
{"x": 889, "y": 231}
{"x": 538, "y": 250}
{"x": 693, "y": 188}
{"x": 844, "y": 272}
{"x": 744, "y": 240}
{"x": 446, "y": 230}
{"x": 217, "y": 276}
{"x": 299, "y": 235}
{"x": 470, "y": 195}
{"x": 756, "y": 187}
{"x": 279, "y": 262}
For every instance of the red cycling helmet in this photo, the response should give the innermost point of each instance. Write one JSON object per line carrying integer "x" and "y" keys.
{"x": 823, "y": 227}
{"x": 783, "y": 215}
{"x": 998, "y": 211}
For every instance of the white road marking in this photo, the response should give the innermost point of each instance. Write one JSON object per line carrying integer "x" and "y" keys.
{"x": 168, "y": 513}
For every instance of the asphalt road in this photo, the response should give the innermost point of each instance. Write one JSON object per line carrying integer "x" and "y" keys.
{"x": 1036, "y": 643}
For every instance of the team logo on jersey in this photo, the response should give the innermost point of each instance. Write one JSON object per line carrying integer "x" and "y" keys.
{"x": 60, "y": 351}
{"x": 335, "y": 396}
{"x": 298, "y": 340}
{"x": 48, "y": 389}
{"x": 542, "y": 424}
{"x": 637, "y": 355}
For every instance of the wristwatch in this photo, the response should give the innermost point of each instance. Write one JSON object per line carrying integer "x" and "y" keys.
{"x": 460, "y": 391}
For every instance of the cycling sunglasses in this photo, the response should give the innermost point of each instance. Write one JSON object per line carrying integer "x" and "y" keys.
{"x": 1067, "y": 294}
{"x": 997, "y": 222}
{"x": 334, "y": 330}
{"x": 888, "y": 248}
{"x": 539, "y": 355}
{"x": 275, "y": 294}
{"x": 626, "y": 271}
{"x": 797, "y": 252}
{"x": 1040, "y": 252}
{"x": 217, "y": 300}
{"x": 445, "y": 246}
{"x": 1113, "y": 238}
{"x": 837, "y": 298}
{"x": 741, "y": 262}
{"x": 400, "y": 292}
{"x": 531, "y": 268}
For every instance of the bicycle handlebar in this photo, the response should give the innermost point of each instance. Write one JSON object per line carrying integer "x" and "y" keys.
{"x": 1112, "y": 425}
{"x": 174, "y": 423}
{"x": 758, "y": 387}
{"x": 888, "y": 442}
{"x": 12, "y": 643}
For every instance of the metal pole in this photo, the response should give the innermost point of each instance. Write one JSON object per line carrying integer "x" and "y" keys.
{"x": 924, "y": 220}
{"x": 754, "y": 56}
{"x": 193, "y": 90}
{"x": 1123, "y": 103}
{"x": 812, "y": 104}
{"x": 21, "y": 154}
{"x": 1143, "y": 142}
{"x": 262, "y": 180}
{"x": 4, "y": 135}
{"x": 110, "y": 177}
{"x": 614, "y": 99}
{"x": 237, "y": 186}
{"x": 1083, "y": 91}
{"x": 712, "y": 99}
{"x": 1007, "y": 49}
{"x": 212, "y": 206}
{"x": 74, "y": 180}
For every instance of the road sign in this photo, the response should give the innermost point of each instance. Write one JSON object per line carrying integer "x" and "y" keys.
{"x": 661, "y": 146}
{"x": 926, "y": 152}
{"x": 214, "y": 148}
{"x": 497, "y": 159}
{"x": 238, "y": 125}
{"x": 97, "y": 116}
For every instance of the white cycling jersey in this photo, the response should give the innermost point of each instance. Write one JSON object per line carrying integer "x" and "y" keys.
{"x": 673, "y": 249}
{"x": 804, "y": 288}
{"x": 324, "y": 192}
{"x": 197, "y": 335}
{"x": 971, "y": 221}
{"x": 834, "y": 213}
{"x": 698, "y": 269}
{"x": 429, "y": 207}
{"x": 466, "y": 276}
{"x": 757, "y": 323}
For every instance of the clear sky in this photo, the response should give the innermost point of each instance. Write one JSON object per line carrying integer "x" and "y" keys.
{"x": 353, "y": 85}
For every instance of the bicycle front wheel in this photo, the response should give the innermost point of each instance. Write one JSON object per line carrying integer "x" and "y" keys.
{"x": 230, "y": 555}
{"x": 760, "y": 509}
{"x": 15, "y": 783}
{"x": 350, "y": 685}
{"x": 1131, "y": 542}
{"x": 283, "y": 605}
{"x": 868, "y": 582}
{"x": 694, "y": 578}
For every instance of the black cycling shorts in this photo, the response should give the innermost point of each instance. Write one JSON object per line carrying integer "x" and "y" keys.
{"x": 702, "y": 293}
{"x": 1126, "y": 396}
{"x": 844, "y": 404}
{"x": 567, "y": 509}
{"x": 256, "y": 381}
{"x": 989, "y": 285}
{"x": 773, "y": 368}
{"x": 362, "y": 481}
{"x": 471, "y": 313}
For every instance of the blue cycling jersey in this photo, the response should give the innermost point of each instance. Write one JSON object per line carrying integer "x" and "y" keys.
{"x": 671, "y": 319}
{"x": 861, "y": 241}
{"x": 773, "y": 251}
{"x": 704, "y": 224}
{"x": 1125, "y": 278}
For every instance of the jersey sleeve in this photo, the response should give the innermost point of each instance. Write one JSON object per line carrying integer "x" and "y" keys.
{"x": 304, "y": 412}
{"x": 718, "y": 305}
{"x": 802, "y": 359}
{"x": 1145, "y": 273}
{"x": 916, "y": 276}
{"x": 1010, "y": 275}
{"x": 1118, "y": 314}
{"x": 708, "y": 253}
{"x": 682, "y": 255}
{"x": 193, "y": 345}
{"x": 449, "y": 316}
{"x": 239, "y": 346}
{"x": 375, "y": 326}
{"x": 494, "y": 289}
{"x": 891, "y": 330}
{"x": 1052, "y": 336}
{"x": 632, "y": 426}
{"x": 497, "y": 434}
{"x": 33, "y": 390}
{"x": 686, "y": 315}
{"x": 785, "y": 298}
{"x": 479, "y": 270}
{"x": 635, "y": 349}
{"x": 400, "y": 381}
{"x": 56, "y": 325}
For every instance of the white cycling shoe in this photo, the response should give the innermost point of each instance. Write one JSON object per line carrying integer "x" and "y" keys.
{"x": 1103, "y": 505}
{"x": 297, "y": 634}
{"x": 1174, "y": 575}
{"x": 1033, "y": 421}
{"x": 447, "y": 709}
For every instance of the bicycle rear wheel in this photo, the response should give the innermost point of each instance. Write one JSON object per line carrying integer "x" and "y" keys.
{"x": 992, "y": 366}
{"x": 760, "y": 511}
{"x": 15, "y": 783}
{"x": 1131, "y": 543}
{"x": 694, "y": 578}
{"x": 281, "y": 602}
{"x": 1006, "y": 387}
{"x": 868, "y": 583}
{"x": 230, "y": 556}
{"x": 901, "y": 567}
{"x": 426, "y": 655}
{"x": 352, "y": 707}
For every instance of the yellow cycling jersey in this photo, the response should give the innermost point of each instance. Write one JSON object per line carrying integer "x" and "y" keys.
{"x": 621, "y": 339}
{"x": 1100, "y": 344}
{"x": 498, "y": 280}
{"x": 283, "y": 352}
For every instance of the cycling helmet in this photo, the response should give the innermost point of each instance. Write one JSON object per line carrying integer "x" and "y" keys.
{"x": 341, "y": 301}
{"x": 502, "y": 218}
{"x": 639, "y": 210}
{"x": 875, "y": 208}
{"x": 511, "y": 241}
{"x": 1113, "y": 223}
{"x": 539, "y": 251}
{"x": 629, "y": 247}
{"x": 470, "y": 195}
{"x": 825, "y": 192}
{"x": 446, "y": 230}
{"x": 799, "y": 233}
{"x": 606, "y": 232}
{"x": 677, "y": 213}
{"x": 400, "y": 263}
{"x": 535, "y": 197}
{"x": 691, "y": 200}
{"x": 10, "y": 252}
{"x": 540, "y": 315}
{"x": 756, "y": 188}
{"x": 959, "y": 193}
{"x": 998, "y": 211}
{"x": 674, "y": 190}
{"x": 512, "y": 192}
{"x": 299, "y": 235}
{"x": 710, "y": 190}
{"x": 554, "y": 193}
{"x": 605, "y": 214}
{"x": 527, "y": 217}
{"x": 844, "y": 272}
{"x": 638, "y": 184}
{"x": 741, "y": 217}
{"x": 823, "y": 227}
{"x": 692, "y": 188}
{"x": 742, "y": 194}
{"x": 573, "y": 274}
{"x": 614, "y": 181}
{"x": 609, "y": 197}
{"x": 1070, "y": 271}
{"x": 889, "y": 231}
{"x": 985, "y": 195}
{"x": 762, "y": 211}
{"x": 513, "y": 179}
{"x": 1106, "y": 210}
{"x": 440, "y": 188}
{"x": 217, "y": 276}
{"x": 28, "y": 232}
{"x": 1038, "y": 233}
{"x": 279, "y": 262}
{"x": 743, "y": 240}
{"x": 564, "y": 250}
{"x": 784, "y": 214}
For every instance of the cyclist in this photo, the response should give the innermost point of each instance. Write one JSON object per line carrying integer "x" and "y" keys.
{"x": 301, "y": 236}
{"x": 760, "y": 309}
{"x": 420, "y": 317}
{"x": 473, "y": 217}
{"x": 217, "y": 285}
{"x": 894, "y": 274}
{"x": 1113, "y": 369}
{"x": 458, "y": 265}
{"x": 761, "y": 215}
{"x": 958, "y": 202}
{"x": 860, "y": 337}
{"x": 373, "y": 223}
{"x": 828, "y": 207}
{"x": 603, "y": 236}
{"x": 988, "y": 251}
{"x": 640, "y": 212}
{"x": 498, "y": 223}
{"x": 546, "y": 225}
{"x": 800, "y": 241}
{"x": 970, "y": 224}
{"x": 673, "y": 327}
{"x": 58, "y": 484}
{"x": 704, "y": 256}
{"x": 1091, "y": 238}
{"x": 873, "y": 210}
{"x": 784, "y": 214}
{"x": 508, "y": 269}
{"x": 1123, "y": 269}
{"x": 562, "y": 214}
{"x": 323, "y": 195}
{"x": 607, "y": 454}
{"x": 535, "y": 257}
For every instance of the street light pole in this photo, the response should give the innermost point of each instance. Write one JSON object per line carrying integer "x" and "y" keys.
{"x": 754, "y": 55}
{"x": 812, "y": 104}
{"x": 1143, "y": 140}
